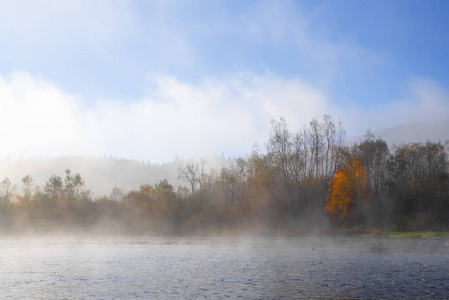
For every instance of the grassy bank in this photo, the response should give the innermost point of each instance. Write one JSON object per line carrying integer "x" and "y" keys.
{"x": 414, "y": 234}
{"x": 364, "y": 232}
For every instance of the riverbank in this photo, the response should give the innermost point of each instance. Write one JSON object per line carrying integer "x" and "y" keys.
{"x": 415, "y": 234}
{"x": 356, "y": 231}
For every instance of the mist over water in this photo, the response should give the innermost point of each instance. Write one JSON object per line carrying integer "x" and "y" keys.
{"x": 223, "y": 267}
{"x": 306, "y": 217}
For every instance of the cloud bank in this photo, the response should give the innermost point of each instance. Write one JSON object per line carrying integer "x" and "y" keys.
{"x": 218, "y": 115}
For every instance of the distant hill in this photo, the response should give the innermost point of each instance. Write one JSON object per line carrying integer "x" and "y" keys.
{"x": 101, "y": 174}
{"x": 414, "y": 133}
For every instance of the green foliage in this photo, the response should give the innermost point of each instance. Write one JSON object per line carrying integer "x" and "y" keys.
{"x": 415, "y": 234}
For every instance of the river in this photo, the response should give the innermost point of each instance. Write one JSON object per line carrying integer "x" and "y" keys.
{"x": 223, "y": 268}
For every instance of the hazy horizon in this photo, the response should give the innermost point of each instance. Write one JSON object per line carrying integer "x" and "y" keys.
{"x": 103, "y": 173}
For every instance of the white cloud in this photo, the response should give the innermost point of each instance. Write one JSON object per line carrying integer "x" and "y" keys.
{"x": 215, "y": 116}
{"x": 36, "y": 118}
{"x": 219, "y": 115}
{"x": 176, "y": 118}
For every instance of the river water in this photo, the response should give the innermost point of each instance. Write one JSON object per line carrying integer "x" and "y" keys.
{"x": 223, "y": 267}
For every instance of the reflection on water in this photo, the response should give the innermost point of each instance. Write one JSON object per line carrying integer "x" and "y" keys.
{"x": 225, "y": 267}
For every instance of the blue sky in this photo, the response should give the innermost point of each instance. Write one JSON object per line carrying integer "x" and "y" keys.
{"x": 154, "y": 79}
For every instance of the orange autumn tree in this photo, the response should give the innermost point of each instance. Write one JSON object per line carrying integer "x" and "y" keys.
{"x": 346, "y": 189}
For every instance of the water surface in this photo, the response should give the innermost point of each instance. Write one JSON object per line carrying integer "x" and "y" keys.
{"x": 223, "y": 267}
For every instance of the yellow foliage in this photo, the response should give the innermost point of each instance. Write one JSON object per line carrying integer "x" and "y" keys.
{"x": 347, "y": 184}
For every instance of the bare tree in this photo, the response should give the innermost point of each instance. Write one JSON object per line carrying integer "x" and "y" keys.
{"x": 242, "y": 171}
{"x": 117, "y": 194}
{"x": 27, "y": 188}
{"x": 7, "y": 191}
{"x": 316, "y": 146}
{"x": 280, "y": 145}
{"x": 193, "y": 174}
{"x": 73, "y": 188}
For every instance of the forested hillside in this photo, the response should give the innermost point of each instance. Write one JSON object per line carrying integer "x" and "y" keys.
{"x": 101, "y": 174}
{"x": 307, "y": 181}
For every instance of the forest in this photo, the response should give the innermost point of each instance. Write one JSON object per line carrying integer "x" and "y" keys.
{"x": 307, "y": 182}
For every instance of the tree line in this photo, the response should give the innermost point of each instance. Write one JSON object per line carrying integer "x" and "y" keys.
{"x": 307, "y": 181}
